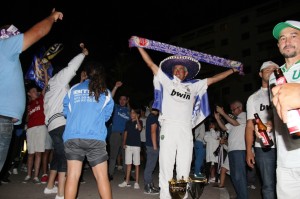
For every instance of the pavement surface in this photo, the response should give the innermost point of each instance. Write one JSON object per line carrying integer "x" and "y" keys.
{"x": 18, "y": 190}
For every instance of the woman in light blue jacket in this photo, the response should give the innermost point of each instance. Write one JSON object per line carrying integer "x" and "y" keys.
{"x": 87, "y": 106}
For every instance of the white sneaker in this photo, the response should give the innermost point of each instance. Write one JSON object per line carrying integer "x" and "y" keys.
{"x": 50, "y": 191}
{"x": 27, "y": 178}
{"x": 15, "y": 171}
{"x": 120, "y": 168}
{"x": 212, "y": 180}
{"x": 124, "y": 184}
{"x": 136, "y": 186}
{"x": 59, "y": 197}
{"x": 252, "y": 186}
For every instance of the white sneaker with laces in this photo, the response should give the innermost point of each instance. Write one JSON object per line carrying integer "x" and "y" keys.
{"x": 27, "y": 178}
{"x": 50, "y": 191}
{"x": 124, "y": 184}
{"x": 136, "y": 186}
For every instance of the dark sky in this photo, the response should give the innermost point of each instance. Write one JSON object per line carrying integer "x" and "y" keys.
{"x": 106, "y": 26}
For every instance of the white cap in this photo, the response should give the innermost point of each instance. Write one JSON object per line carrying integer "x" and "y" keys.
{"x": 267, "y": 64}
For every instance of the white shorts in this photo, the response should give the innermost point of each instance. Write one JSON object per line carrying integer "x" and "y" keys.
{"x": 226, "y": 165}
{"x": 132, "y": 155}
{"x": 48, "y": 141}
{"x": 36, "y": 139}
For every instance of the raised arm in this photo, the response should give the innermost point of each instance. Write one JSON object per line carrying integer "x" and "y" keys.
{"x": 40, "y": 29}
{"x": 148, "y": 60}
{"x": 117, "y": 85}
{"x": 220, "y": 76}
{"x": 219, "y": 121}
{"x": 229, "y": 119}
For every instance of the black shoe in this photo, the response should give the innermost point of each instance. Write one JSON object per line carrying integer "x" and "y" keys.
{"x": 154, "y": 187}
{"x": 82, "y": 181}
{"x": 148, "y": 189}
{"x": 110, "y": 177}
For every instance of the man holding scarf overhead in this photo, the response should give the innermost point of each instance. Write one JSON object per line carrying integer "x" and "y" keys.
{"x": 176, "y": 95}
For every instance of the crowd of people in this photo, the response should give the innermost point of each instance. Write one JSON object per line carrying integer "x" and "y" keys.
{"x": 67, "y": 126}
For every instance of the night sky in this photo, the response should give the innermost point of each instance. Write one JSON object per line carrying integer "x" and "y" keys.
{"x": 106, "y": 26}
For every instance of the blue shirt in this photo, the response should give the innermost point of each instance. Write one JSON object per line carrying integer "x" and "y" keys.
{"x": 12, "y": 90}
{"x": 120, "y": 116}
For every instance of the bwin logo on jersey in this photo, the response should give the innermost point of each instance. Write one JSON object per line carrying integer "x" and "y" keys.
{"x": 184, "y": 95}
{"x": 265, "y": 107}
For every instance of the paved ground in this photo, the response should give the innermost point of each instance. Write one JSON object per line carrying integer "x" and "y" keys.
{"x": 17, "y": 190}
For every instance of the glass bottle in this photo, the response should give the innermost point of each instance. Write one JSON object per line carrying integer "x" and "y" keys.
{"x": 293, "y": 116}
{"x": 262, "y": 129}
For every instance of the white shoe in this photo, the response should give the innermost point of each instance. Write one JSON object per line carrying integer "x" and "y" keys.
{"x": 120, "y": 168}
{"x": 27, "y": 178}
{"x": 59, "y": 197}
{"x": 15, "y": 171}
{"x": 136, "y": 186}
{"x": 50, "y": 191}
{"x": 124, "y": 184}
{"x": 252, "y": 187}
{"x": 212, "y": 180}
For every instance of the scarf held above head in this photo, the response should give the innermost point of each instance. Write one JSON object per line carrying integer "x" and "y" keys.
{"x": 135, "y": 41}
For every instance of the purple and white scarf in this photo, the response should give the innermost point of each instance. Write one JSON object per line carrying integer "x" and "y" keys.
{"x": 135, "y": 41}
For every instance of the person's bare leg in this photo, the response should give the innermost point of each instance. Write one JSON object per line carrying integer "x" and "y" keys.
{"x": 61, "y": 183}
{"x": 128, "y": 173}
{"x": 37, "y": 163}
{"x": 51, "y": 180}
{"x": 30, "y": 164}
{"x": 73, "y": 175}
{"x": 45, "y": 160}
{"x": 137, "y": 171}
{"x": 222, "y": 177}
{"x": 100, "y": 173}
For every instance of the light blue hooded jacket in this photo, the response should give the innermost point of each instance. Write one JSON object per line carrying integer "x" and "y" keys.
{"x": 85, "y": 116}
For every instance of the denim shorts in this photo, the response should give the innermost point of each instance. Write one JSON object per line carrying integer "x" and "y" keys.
{"x": 93, "y": 150}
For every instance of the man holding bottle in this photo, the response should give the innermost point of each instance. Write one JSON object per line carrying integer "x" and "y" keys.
{"x": 264, "y": 158}
{"x": 288, "y": 149}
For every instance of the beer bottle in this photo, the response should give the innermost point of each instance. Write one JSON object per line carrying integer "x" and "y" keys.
{"x": 293, "y": 116}
{"x": 262, "y": 129}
